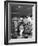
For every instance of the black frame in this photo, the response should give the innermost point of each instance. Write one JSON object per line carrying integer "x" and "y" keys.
{"x": 6, "y": 14}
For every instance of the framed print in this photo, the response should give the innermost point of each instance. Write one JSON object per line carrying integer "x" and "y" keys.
{"x": 20, "y": 22}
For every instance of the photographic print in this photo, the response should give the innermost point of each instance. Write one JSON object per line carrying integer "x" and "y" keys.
{"x": 20, "y": 22}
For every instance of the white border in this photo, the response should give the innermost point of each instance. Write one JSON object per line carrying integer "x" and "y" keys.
{"x": 29, "y": 39}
